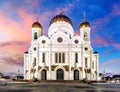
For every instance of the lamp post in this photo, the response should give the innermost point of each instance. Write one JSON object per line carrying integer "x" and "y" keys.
{"x": 18, "y": 75}
{"x": 103, "y": 75}
{"x": 86, "y": 72}
{"x": 33, "y": 71}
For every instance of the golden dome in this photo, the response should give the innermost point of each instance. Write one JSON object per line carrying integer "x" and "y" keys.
{"x": 84, "y": 24}
{"x": 36, "y": 25}
{"x": 60, "y": 17}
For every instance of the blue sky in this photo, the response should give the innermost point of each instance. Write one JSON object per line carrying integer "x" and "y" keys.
{"x": 17, "y": 16}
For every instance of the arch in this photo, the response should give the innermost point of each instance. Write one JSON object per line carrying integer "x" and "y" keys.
{"x": 76, "y": 75}
{"x": 43, "y": 74}
{"x": 43, "y": 38}
{"x": 78, "y": 38}
{"x": 60, "y": 74}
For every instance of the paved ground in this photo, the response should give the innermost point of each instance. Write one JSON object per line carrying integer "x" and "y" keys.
{"x": 58, "y": 87}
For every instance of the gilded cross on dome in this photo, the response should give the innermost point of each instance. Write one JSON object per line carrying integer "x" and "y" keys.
{"x": 84, "y": 16}
{"x": 37, "y": 19}
{"x": 60, "y": 11}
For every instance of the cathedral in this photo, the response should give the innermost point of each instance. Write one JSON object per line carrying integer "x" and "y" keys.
{"x": 62, "y": 55}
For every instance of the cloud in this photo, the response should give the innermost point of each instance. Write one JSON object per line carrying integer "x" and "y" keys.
{"x": 116, "y": 10}
{"x": 106, "y": 39}
{"x": 109, "y": 63}
{"x": 8, "y": 68}
{"x": 16, "y": 18}
{"x": 15, "y": 29}
{"x": 99, "y": 41}
{"x": 12, "y": 61}
{"x": 67, "y": 7}
{"x": 13, "y": 51}
{"x": 102, "y": 21}
{"x": 20, "y": 43}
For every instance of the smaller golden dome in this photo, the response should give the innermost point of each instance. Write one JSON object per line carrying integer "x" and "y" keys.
{"x": 36, "y": 25}
{"x": 84, "y": 24}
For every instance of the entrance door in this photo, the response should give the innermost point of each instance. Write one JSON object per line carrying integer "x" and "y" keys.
{"x": 60, "y": 74}
{"x": 43, "y": 75}
{"x": 76, "y": 75}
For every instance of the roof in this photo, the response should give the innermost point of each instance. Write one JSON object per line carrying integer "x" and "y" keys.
{"x": 84, "y": 24}
{"x": 36, "y": 25}
{"x": 60, "y": 17}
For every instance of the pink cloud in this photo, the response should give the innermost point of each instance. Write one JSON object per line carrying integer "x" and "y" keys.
{"x": 21, "y": 24}
{"x": 13, "y": 29}
{"x": 116, "y": 10}
{"x": 67, "y": 7}
{"x": 15, "y": 34}
{"x": 76, "y": 33}
{"x": 12, "y": 52}
{"x": 98, "y": 41}
{"x": 113, "y": 43}
{"x": 32, "y": 4}
{"x": 110, "y": 62}
{"x": 12, "y": 61}
{"x": 106, "y": 19}
{"x": 13, "y": 48}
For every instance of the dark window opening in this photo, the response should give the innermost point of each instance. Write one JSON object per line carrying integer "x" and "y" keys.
{"x": 43, "y": 57}
{"x": 76, "y": 57}
{"x": 56, "y": 57}
{"x": 35, "y": 35}
{"x": 63, "y": 57}
{"x": 59, "y": 57}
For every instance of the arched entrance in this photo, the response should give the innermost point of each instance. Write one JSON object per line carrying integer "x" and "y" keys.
{"x": 76, "y": 75}
{"x": 60, "y": 74}
{"x": 43, "y": 74}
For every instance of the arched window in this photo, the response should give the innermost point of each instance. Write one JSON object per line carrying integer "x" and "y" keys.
{"x": 43, "y": 57}
{"x": 63, "y": 57}
{"x": 86, "y": 61}
{"x": 76, "y": 57}
{"x": 56, "y": 57}
{"x": 59, "y": 57}
{"x": 35, "y": 35}
{"x": 34, "y": 62}
{"x": 85, "y": 35}
{"x": 93, "y": 64}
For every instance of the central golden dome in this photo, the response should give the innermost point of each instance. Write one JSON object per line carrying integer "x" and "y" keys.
{"x": 60, "y": 17}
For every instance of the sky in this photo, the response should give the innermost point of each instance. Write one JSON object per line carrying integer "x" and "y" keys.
{"x": 17, "y": 16}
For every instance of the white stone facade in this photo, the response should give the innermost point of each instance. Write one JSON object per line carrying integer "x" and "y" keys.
{"x": 62, "y": 55}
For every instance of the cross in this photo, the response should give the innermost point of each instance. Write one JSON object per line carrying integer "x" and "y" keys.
{"x": 37, "y": 19}
{"x": 60, "y": 11}
{"x": 84, "y": 15}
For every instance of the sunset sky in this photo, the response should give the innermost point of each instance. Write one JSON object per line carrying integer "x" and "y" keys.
{"x": 17, "y": 16}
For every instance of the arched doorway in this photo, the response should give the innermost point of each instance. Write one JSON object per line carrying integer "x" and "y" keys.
{"x": 60, "y": 74}
{"x": 43, "y": 74}
{"x": 76, "y": 75}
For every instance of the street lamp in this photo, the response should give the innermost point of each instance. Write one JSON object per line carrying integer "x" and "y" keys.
{"x": 33, "y": 70}
{"x": 103, "y": 75}
{"x": 18, "y": 75}
{"x": 86, "y": 71}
